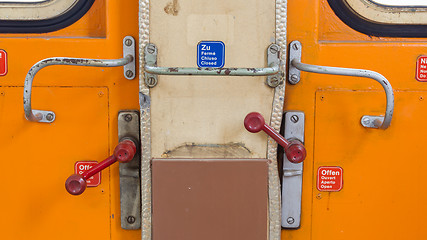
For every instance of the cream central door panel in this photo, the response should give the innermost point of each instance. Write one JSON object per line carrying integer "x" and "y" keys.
{"x": 195, "y": 116}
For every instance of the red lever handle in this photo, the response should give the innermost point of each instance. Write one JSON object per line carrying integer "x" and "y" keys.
{"x": 295, "y": 151}
{"x": 124, "y": 152}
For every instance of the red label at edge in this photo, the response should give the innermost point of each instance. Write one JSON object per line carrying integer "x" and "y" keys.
{"x": 3, "y": 62}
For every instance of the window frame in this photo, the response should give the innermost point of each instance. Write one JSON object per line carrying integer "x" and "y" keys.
{"x": 60, "y": 21}
{"x": 374, "y": 28}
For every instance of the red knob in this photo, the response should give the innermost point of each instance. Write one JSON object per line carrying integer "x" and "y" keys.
{"x": 124, "y": 152}
{"x": 295, "y": 151}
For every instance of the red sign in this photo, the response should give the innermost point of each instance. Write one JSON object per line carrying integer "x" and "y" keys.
{"x": 329, "y": 179}
{"x": 421, "y": 74}
{"x": 83, "y": 166}
{"x": 3, "y": 62}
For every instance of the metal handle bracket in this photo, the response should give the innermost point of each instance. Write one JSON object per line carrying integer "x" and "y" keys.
{"x": 128, "y": 61}
{"x": 368, "y": 121}
{"x": 274, "y": 76}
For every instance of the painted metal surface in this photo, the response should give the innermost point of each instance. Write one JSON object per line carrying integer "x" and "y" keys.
{"x": 366, "y": 120}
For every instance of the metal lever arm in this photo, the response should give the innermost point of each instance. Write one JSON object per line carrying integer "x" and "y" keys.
{"x": 294, "y": 150}
{"x": 124, "y": 152}
{"x": 367, "y": 120}
{"x": 49, "y": 116}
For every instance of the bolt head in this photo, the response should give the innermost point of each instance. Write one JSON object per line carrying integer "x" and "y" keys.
{"x": 128, "y": 42}
{"x": 151, "y": 48}
{"x": 128, "y": 117}
{"x": 151, "y": 81}
{"x": 49, "y": 117}
{"x": 294, "y": 118}
{"x": 129, "y": 73}
{"x": 366, "y": 121}
{"x": 290, "y": 220}
{"x": 295, "y": 46}
{"x": 273, "y": 82}
{"x": 274, "y": 49}
{"x": 130, "y": 219}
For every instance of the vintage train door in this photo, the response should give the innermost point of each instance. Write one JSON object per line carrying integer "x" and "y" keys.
{"x": 360, "y": 182}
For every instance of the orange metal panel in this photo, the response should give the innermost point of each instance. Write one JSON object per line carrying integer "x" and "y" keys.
{"x": 383, "y": 196}
{"x": 37, "y": 159}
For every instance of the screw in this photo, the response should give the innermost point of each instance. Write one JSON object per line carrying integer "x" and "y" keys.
{"x": 128, "y": 42}
{"x": 295, "y": 46}
{"x": 128, "y": 117}
{"x": 290, "y": 220}
{"x": 319, "y": 196}
{"x": 274, "y": 49}
{"x": 366, "y": 121}
{"x": 273, "y": 82}
{"x": 294, "y": 118}
{"x": 49, "y": 117}
{"x": 151, "y": 81}
{"x": 129, "y": 73}
{"x": 294, "y": 79}
{"x": 131, "y": 219}
{"x": 151, "y": 48}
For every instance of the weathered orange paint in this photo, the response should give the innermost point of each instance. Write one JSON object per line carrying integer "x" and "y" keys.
{"x": 37, "y": 158}
{"x": 382, "y": 196}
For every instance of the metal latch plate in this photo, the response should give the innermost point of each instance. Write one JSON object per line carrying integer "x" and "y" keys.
{"x": 292, "y": 173}
{"x": 130, "y": 181}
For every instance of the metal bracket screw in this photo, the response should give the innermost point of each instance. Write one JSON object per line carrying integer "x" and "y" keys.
{"x": 295, "y": 46}
{"x": 151, "y": 82}
{"x": 274, "y": 49}
{"x": 129, "y": 74}
{"x": 151, "y": 48}
{"x": 49, "y": 117}
{"x": 294, "y": 118}
{"x": 294, "y": 79}
{"x": 128, "y": 42}
{"x": 131, "y": 219}
{"x": 290, "y": 220}
{"x": 273, "y": 82}
{"x": 128, "y": 117}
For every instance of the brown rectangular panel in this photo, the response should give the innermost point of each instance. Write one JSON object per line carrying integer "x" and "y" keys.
{"x": 208, "y": 199}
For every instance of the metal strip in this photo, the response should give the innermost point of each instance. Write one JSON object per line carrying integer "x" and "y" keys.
{"x": 151, "y": 67}
{"x": 129, "y": 49}
{"x": 367, "y": 120}
{"x": 130, "y": 188}
{"x": 145, "y": 120}
{"x": 49, "y": 116}
{"x": 292, "y": 174}
{"x": 275, "y": 123}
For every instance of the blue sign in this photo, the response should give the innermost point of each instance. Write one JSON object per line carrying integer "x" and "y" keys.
{"x": 211, "y": 54}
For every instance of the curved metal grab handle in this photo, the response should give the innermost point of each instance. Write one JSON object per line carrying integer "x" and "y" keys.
{"x": 151, "y": 66}
{"x": 381, "y": 122}
{"x": 48, "y": 116}
{"x": 128, "y": 61}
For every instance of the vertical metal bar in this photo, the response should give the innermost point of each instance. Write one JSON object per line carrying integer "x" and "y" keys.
{"x": 292, "y": 174}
